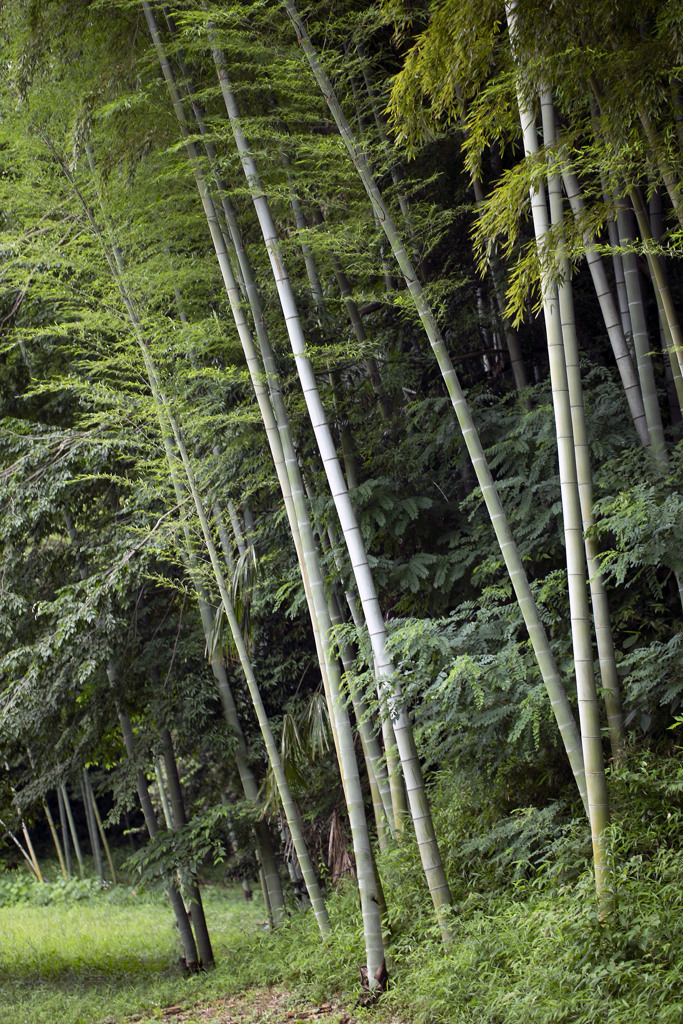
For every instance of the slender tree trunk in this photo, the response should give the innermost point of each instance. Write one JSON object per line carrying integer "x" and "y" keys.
{"x": 175, "y": 899}
{"x": 179, "y": 819}
{"x": 64, "y": 824}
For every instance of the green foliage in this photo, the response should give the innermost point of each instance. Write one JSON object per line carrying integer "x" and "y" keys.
{"x": 19, "y": 888}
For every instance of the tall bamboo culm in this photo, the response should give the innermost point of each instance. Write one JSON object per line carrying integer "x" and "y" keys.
{"x": 419, "y": 805}
{"x": 589, "y": 717}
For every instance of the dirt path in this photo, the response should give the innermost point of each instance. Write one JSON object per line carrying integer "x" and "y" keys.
{"x": 262, "y": 1006}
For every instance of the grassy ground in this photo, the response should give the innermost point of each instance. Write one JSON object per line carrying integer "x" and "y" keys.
{"x": 111, "y": 956}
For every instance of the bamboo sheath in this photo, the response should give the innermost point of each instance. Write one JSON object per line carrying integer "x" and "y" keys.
{"x": 420, "y": 812}
{"x": 589, "y": 717}
{"x": 558, "y": 698}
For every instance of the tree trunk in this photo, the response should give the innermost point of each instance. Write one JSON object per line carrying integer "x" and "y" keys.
{"x": 175, "y": 899}
{"x": 179, "y": 818}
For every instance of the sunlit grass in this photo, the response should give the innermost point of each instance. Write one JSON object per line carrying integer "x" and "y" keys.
{"x": 99, "y": 959}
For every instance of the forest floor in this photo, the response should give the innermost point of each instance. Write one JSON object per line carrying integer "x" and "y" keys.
{"x": 74, "y": 955}
{"x": 262, "y": 1006}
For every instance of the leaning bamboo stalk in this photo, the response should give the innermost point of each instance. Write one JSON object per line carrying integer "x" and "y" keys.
{"x": 374, "y": 947}
{"x": 266, "y": 855}
{"x": 22, "y": 850}
{"x": 55, "y": 839}
{"x": 166, "y": 421}
{"x": 418, "y": 802}
{"x": 271, "y": 408}
{"x": 549, "y": 672}
{"x": 32, "y": 852}
{"x": 289, "y": 805}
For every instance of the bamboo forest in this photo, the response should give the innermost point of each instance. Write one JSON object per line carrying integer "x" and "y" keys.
{"x": 341, "y": 511}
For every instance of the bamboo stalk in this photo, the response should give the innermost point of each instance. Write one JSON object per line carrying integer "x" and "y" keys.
{"x": 55, "y": 839}
{"x": 100, "y": 827}
{"x": 420, "y": 811}
{"x": 589, "y": 718}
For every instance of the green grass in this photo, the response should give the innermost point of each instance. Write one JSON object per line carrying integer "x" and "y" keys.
{"x": 105, "y": 957}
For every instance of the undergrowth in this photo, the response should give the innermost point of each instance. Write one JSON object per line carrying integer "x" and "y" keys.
{"x": 526, "y": 942}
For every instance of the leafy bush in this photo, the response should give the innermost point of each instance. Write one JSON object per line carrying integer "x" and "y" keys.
{"x": 17, "y": 887}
